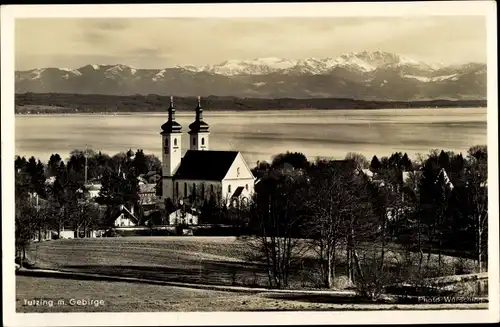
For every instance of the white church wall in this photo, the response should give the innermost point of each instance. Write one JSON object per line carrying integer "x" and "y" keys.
{"x": 239, "y": 169}
{"x": 199, "y": 141}
{"x": 172, "y": 153}
{"x": 230, "y": 185}
{"x": 238, "y": 175}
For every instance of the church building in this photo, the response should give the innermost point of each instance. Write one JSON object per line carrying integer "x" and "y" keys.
{"x": 202, "y": 173}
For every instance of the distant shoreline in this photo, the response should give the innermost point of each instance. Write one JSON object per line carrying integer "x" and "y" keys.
{"x": 70, "y": 104}
{"x": 164, "y": 113}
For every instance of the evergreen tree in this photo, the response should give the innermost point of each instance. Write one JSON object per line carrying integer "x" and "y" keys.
{"x": 36, "y": 172}
{"x": 444, "y": 160}
{"x": 375, "y": 164}
{"x": 117, "y": 190}
{"x": 53, "y": 164}
{"x": 295, "y": 159}
{"x": 20, "y": 163}
{"x": 140, "y": 162}
{"x": 406, "y": 163}
{"x": 395, "y": 160}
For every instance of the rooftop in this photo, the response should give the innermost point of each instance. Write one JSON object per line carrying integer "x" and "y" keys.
{"x": 207, "y": 165}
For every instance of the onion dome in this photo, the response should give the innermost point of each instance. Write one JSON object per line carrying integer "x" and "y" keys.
{"x": 198, "y": 126}
{"x": 171, "y": 126}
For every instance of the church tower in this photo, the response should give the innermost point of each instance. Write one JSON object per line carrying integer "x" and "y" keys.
{"x": 171, "y": 148}
{"x": 198, "y": 131}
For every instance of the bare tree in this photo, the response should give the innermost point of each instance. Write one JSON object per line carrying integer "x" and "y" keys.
{"x": 359, "y": 159}
{"x": 476, "y": 184}
{"x": 327, "y": 199}
{"x": 276, "y": 212}
{"x": 87, "y": 216}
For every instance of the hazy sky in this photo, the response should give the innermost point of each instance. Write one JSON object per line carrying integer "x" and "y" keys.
{"x": 166, "y": 42}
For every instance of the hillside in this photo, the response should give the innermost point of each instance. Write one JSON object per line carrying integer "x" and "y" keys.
{"x": 46, "y": 103}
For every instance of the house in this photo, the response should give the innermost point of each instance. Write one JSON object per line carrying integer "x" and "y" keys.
{"x": 151, "y": 177}
{"x": 184, "y": 216}
{"x": 147, "y": 195}
{"x": 93, "y": 189}
{"x": 201, "y": 173}
{"x": 126, "y": 218}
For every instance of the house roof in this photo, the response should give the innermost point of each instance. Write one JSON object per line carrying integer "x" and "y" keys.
{"x": 126, "y": 213}
{"x": 205, "y": 165}
{"x": 147, "y": 188}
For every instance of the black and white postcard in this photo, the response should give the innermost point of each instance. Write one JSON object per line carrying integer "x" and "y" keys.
{"x": 194, "y": 164}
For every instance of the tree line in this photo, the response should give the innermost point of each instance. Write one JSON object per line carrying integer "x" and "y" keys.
{"x": 381, "y": 225}
{"x": 47, "y": 103}
{"x": 54, "y": 195}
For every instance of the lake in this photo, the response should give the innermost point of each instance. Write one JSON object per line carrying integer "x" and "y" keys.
{"x": 261, "y": 134}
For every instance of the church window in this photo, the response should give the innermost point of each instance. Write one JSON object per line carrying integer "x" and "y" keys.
{"x": 176, "y": 188}
{"x": 238, "y": 172}
{"x": 175, "y": 141}
{"x": 202, "y": 141}
{"x": 246, "y": 187}
{"x": 166, "y": 142}
{"x": 194, "y": 140}
{"x": 229, "y": 188}
{"x": 185, "y": 190}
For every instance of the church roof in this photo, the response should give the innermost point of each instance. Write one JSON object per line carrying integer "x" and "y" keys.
{"x": 198, "y": 126}
{"x": 205, "y": 165}
{"x": 171, "y": 127}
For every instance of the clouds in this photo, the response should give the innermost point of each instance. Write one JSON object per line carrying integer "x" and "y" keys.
{"x": 163, "y": 42}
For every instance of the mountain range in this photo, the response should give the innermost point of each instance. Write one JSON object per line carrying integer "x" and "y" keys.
{"x": 357, "y": 75}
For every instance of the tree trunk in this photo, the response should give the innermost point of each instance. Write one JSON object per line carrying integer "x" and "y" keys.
{"x": 479, "y": 252}
{"x": 331, "y": 268}
{"x": 349, "y": 264}
{"x": 329, "y": 277}
{"x": 358, "y": 264}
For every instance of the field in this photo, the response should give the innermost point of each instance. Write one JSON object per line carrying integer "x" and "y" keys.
{"x": 207, "y": 260}
{"x": 198, "y": 260}
{"x": 130, "y": 297}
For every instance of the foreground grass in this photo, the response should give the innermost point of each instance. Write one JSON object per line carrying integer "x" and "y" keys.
{"x": 130, "y": 297}
{"x": 211, "y": 260}
{"x": 207, "y": 260}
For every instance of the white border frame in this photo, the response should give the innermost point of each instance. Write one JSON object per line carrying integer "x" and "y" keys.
{"x": 393, "y": 9}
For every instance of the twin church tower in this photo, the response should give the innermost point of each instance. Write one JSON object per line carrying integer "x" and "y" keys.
{"x": 172, "y": 138}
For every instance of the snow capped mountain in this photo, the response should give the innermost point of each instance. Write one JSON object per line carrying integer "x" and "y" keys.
{"x": 452, "y": 77}
{"x": 358, "y": 75}
{"x": 258, "y": 66}
{"x": 357, "y": 61}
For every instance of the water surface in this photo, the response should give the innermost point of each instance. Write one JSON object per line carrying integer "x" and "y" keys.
{"x": 261, "y": 134}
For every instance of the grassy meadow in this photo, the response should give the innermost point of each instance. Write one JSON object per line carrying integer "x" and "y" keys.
{"x": 205, "y": 260}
